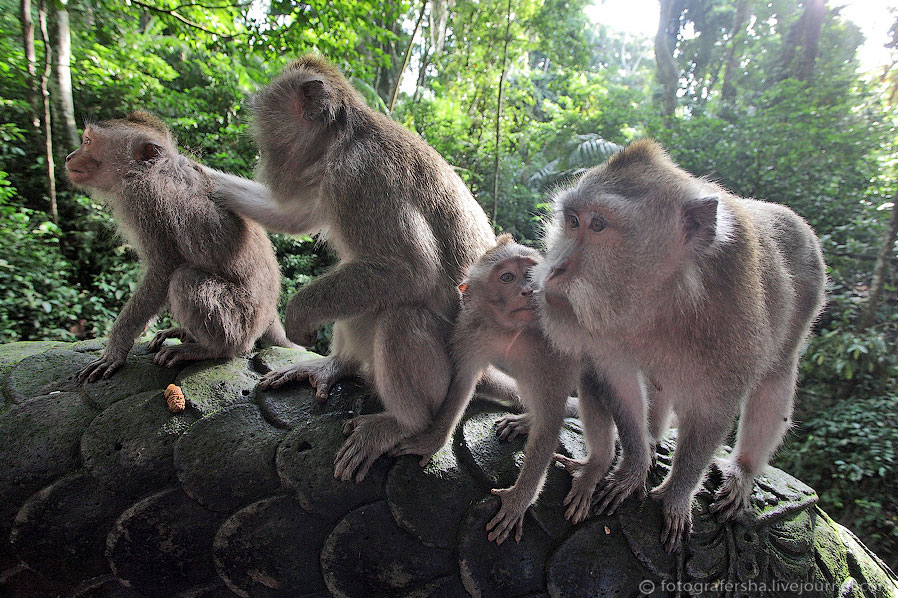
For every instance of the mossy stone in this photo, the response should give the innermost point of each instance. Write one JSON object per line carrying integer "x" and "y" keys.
{"x": 210, "y": 386}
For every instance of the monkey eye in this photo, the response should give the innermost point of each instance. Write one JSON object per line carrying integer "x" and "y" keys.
{"x": 597, "y": 224}
{"x": 507, "y": 277}
{"x": 572, "y": 221}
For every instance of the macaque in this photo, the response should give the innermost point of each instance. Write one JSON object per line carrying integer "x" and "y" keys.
{"x": 216, "y": 270}
{"x": 404, "y": 228}
{"x": 498, "y": 325}
{"x": 660, "y": 278}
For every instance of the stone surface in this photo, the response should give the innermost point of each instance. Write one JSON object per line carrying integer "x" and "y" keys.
{"x": 271, "y": 548}
{"x": 39, "y": 442}
{"x": 210, "y": 386}
{"x": 106, "y": 494}
{"x": 128, "y": 447}
{"x": 226, "y": 460}
{"x": 67, "y": 523}
{"x": 367, "y": 554}
{"x": 162, "y": 544}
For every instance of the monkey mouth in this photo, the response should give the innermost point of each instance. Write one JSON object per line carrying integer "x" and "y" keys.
{"x": 526, "y": 313}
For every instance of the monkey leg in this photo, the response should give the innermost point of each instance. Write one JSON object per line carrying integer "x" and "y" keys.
{"x": 598, "y": 426}
{"x": 699, "y": 435}
{"x": 219, "y": 314}
{"x": 627, "y": 405}
{"x": 161, "y": 336}
{"x": 766, "y": 416}
{"x": 411, "y": 372}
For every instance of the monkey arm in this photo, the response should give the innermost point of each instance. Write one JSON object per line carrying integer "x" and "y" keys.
{"x": 254, "y": 201}
{"x": 146, "y": 302}
{"x": 548, "y": 414}
{"x": 354, "y": 288}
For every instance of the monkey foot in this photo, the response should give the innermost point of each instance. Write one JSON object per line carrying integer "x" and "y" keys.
{"x": 734, "y": 492}
{"x": 425, "y": 444}
{"x": 625, "y": 480}
{"x": 677, "y": 526}
{"x": 370, "y": 436}
{"x": 510, "y": 516}
{"x": 509, "y": 427}
{"x": 584, "y": 478}
{"x": 160, "y": 337}
{"x": 171, "y": 355}
{"x": 103, "y": 367}
{"x": 321, "y": 373}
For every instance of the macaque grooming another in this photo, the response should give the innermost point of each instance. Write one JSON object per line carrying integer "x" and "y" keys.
{"x": 498, "y": 325}
{"x": 661, "y": 278}
{"x": 216, "y": 270}
{"x": 404, "y": 227}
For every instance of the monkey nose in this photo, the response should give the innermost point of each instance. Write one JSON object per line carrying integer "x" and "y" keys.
{"x": 526, "y": 292}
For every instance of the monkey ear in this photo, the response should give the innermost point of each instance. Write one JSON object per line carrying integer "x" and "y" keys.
{"x": 147, "y": 150}
{"x": 312, "y": 100}
{"x": 700, "y": 222}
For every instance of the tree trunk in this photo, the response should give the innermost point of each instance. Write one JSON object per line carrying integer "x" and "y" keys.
{"x": 45, "y": 93}
{"x": 668, "y": 73}
{"x": 499, "y": 111}
{"x": 803, "y": 38}
{"x": 31, "y": 59}
{"x": 65, "y": 102}
{"x": 734, "y": 52}
{"x": 868, "y": 316}
{"x": 408, "y": 54}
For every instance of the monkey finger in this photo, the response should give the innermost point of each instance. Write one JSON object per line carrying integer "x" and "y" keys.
{"x": 519, "y": 530}
{"x": 363, "y": 468}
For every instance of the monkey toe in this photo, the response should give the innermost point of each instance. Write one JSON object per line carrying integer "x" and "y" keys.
{"x": 677, "y": 527}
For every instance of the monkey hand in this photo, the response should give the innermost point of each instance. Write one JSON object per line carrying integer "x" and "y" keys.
{"x": 103, "y": 367}
{"x": 425, "y": 443}
{"x": 508, "y": 427}
{"x": 510, "y": 515}
{"x": 584, "y": 478}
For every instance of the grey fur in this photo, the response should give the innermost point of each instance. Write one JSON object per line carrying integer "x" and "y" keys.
{"x": 493, "y": 328}
{"x": 404, "y": 227}
{"x": 687, "y": 289}
{"x": 216, "y": 270}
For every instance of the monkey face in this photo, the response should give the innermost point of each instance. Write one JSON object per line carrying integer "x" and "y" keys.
{"x": 106, "y": 154}
{"x": 499, "y": 285}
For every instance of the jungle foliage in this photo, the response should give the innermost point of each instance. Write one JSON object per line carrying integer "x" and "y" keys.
{"x": 764, "y": 96}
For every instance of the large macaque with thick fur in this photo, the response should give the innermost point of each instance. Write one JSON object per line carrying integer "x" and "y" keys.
{"x": 404, "y": 228}
{"x": 216, "y": 270}
{"x": 498, "y": 325}
{"x": 661, "y": 278}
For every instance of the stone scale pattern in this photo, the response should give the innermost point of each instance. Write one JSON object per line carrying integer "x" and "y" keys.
{"x": 105, "y": 493}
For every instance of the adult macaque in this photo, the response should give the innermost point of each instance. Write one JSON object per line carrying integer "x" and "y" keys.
{"x": 498, "y": 325}
{"x": 404, "y": 227}
{"x": 658, "y": 277}
{"x": 216, "y": 270}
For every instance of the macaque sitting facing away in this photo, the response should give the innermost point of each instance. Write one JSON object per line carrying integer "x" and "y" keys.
{"x": 657, "y": 277}
{"x": 498, "y": 325}
{"x": 216, "y": 270}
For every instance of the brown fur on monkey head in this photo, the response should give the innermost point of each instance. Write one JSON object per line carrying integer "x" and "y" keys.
{"x": 642, "y": 240}
{"x": 498, "y": 286}
{"x": 100, "y": 162}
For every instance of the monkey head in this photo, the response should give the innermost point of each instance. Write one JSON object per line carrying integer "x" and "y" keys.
{"x": 297, "y": 116}
{"x": 110, "y": 149}
{"x": 499, "y": 286}
{"x": 625, "y": 241}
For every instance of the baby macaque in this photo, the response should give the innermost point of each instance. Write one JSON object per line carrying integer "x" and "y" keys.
{"x": 215, "y": 269}
{"x": 498, "y": 325}
{"x": 660, "y": 278}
